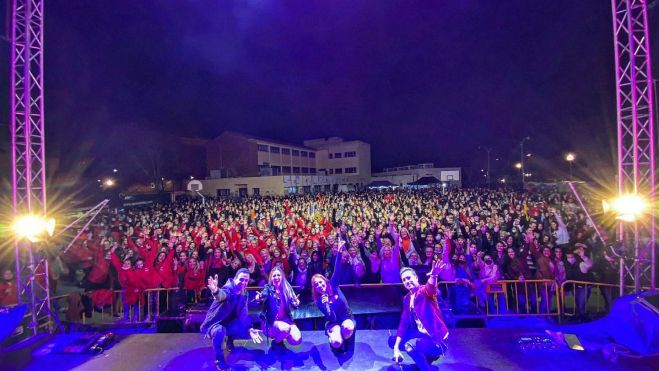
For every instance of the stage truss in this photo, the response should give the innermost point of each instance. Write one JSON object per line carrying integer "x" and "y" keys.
{"x": 636, "y": 141}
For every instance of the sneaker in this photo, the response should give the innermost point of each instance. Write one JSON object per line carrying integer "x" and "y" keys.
{"x": 221, "y": 365}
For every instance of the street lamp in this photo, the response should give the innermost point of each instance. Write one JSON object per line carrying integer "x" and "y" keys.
{"x": 521, "y": 157}
{"x": 570, "y": 157}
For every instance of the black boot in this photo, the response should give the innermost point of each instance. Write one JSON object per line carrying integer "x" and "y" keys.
{"x": 349, "y": 344}
{"x": 230, "y": 346}
{"x": 278, "y": 347}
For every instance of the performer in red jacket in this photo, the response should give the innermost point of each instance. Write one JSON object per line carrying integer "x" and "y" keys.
{"x": 426, "y": 341}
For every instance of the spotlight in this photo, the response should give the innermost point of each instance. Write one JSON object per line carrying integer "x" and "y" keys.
{"x": 33, "y": 227}
{"x": 627, "y": 207}
{"x": 518, "y": 165}
{"x": 108, "y": 182}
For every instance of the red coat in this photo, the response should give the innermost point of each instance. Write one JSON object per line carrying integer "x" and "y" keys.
{"x": 194, "y": 279}
{"x": 129, "y": 280}
{"x": 8, "y": 293}
{"x": 99, "y": 272}
{"x": 166, "y": 271}
{"x": 427, "y": 309}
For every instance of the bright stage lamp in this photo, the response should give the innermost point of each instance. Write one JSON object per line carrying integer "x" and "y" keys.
{"x": 626, "y": 207}
{"x": 518, "y": 165}
{"x": 109, "y": 182}
{"x": 33, "y": 227}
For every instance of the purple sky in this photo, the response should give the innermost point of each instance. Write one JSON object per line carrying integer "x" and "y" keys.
{"x": 420, "y": 81}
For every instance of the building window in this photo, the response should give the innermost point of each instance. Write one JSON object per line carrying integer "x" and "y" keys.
{"x": 276, "y": 170}
{"x": 286, "y": 169}
{"x": 285, "y": 151}
{"x": 256, "y": 191}
{"x": 312, "y": 154}
{"x": 351, "y": 170}
{"x": 331, "y": 171}
{"x": 274, "y": 149}
{"x": 296, "y": 170}
{"x": 223, "y": 192}
{"x": 338, "y": 171}
{"x": 338, "y": 155}
{"x": 263, "y": 148}
{"x": 312, "y": 170}
{"x": 331, "y": 156}
{"x": 304, "y": 153}
{"x": 351, "y": 154}
{"x": 296, "y": 153}
{"x": 305, "y": 170}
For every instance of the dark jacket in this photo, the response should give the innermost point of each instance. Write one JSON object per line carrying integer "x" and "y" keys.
{"x": 227, "y": 306}
{"x": 271, "y": 303}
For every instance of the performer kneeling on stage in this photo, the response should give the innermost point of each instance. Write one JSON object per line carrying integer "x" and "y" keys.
{"x": 340, "y": 325}
{"x": 227, "y": 315}
{"x": 279, "y": 299}
{"x": 426, "y": 341}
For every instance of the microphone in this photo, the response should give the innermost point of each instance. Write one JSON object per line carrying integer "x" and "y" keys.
{"x": 327, "y": 305}
{"x": 261, "y": 294}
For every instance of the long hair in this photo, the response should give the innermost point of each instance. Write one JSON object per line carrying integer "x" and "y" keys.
{"x": 329, "y": 289}
{"x": 287, "y": 289}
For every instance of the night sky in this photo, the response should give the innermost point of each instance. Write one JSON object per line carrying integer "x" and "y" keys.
{"x": 420, "y": 81}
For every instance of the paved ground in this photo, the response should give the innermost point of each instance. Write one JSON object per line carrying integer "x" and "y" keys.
{"x": 469, "y": 349}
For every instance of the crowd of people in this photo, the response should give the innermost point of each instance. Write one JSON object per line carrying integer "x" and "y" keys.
{"x": 481, "y": 237}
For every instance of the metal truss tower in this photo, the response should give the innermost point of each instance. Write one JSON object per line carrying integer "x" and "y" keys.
{"x": 636, "y": 141}
{"x": 28, "y": 155}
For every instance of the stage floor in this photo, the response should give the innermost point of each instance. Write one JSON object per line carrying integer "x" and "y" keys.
{"x": 469, "y": 349}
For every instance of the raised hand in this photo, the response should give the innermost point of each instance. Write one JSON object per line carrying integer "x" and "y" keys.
{"x": 296, "y": 300}
{"x": 436, "y": 267}
{"x": 255, "y": 335}
{"x": 212, "y": 284}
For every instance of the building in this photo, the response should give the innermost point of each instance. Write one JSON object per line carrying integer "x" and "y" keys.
{"x": 241, "y": 165}
{"x": 338, "y": 157}
{"x": 232, "y": 155}
{"x": 403, "y": 175}
{"x": 276, "y": 185}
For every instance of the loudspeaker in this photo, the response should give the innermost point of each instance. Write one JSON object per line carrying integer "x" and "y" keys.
{"x": 10, "y": 318}
{"x": 634, "y": 322}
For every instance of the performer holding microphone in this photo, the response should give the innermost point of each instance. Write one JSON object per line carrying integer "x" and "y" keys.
{"x": 340, "y": 325}
{"x": 421, "y": 329}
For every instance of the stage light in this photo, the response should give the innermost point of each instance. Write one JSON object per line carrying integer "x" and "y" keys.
{"x": 570, "y": 157}
{"x": 191, "y": 177}
{"x": 33, "y": 227}
{"x": 503, "y": 180}
{"x": 518, "y": 165}
{"x": 108, "y": 182}
{"x": 627, "y": 207}
{"x": 114, "y": 170}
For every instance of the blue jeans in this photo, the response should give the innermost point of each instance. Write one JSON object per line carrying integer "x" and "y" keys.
{"x": 234, "y": 329}
{"x": 421, "y": 348}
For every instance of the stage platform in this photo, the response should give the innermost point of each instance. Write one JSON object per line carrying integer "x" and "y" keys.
{"x": 469, "y": 349}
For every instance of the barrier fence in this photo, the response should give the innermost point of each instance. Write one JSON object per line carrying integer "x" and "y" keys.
{"x": 505, "y": 298}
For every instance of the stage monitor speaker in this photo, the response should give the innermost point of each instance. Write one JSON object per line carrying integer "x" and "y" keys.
{"x": 10, "y": 318}
{"x": 634, "y": 320}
